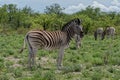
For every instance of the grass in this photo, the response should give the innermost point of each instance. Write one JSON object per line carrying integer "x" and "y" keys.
{"x": 94, "y": 60}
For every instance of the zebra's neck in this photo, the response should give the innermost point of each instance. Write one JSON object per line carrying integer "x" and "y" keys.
{"x": 70, "y": 33}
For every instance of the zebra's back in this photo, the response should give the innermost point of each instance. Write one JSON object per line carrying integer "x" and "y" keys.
{"x": 110, "y": 31}
{"x": 99, "y": 30}
{"x": 46, "y": 40}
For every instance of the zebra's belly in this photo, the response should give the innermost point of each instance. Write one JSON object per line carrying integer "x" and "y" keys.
{"x": 56, "y": 47}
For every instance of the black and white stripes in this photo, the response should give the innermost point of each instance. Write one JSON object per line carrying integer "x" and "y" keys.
{"x": 46, "y": 40}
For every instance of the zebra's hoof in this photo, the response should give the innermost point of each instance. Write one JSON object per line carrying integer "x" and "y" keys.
{"x": 59, "y": 67}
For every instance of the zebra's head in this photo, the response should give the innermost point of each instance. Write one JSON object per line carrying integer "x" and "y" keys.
{"x": 78, "y": 29}
{"x": 73, "y": 27}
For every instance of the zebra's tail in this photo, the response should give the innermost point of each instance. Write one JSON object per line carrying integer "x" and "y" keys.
{"x": 95, "y": 35}
{"x": 24, "y": 45}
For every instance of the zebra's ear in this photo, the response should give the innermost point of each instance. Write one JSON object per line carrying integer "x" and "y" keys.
{"x": 79, "y": 21}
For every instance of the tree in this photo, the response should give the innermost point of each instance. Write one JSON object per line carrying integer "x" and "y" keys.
{"x": 13, "y": 17}
{"x": 27, "y": 10}
{"x": 54, "y": 8}
{"x": 4, "y": 18}
{"x": 91, "y": 12}
{"x": 11, "y": 9}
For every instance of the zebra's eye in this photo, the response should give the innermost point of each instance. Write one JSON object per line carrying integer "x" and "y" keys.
{"x": 81, "y": 32}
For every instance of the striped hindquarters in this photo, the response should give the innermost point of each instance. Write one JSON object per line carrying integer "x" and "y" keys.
{"x": 46, "y": 40}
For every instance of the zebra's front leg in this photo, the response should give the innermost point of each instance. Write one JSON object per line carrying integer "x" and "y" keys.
{"x": 108, "y": 36}
{"x": 60, "y": 57}
{"x": 113, "y": 36}
{"x": 78, "y": 44}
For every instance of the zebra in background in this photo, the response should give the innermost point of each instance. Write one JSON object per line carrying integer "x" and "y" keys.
{"x": 51, "y": 40}
{"x": 109, "y": 32}
{"x": 98, "y": 33}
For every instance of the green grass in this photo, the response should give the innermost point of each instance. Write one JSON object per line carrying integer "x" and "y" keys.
{"x": 94, "y": 60}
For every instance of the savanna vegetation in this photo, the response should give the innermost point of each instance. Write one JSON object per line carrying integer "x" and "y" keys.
{"x": 21, "y": 20}
{"x": 94, "y": 60}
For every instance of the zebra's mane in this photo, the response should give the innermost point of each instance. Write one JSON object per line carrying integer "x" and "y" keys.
{"x": 76, "y": 20}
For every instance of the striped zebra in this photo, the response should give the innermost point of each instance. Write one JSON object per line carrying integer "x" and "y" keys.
{"x": 109, "y": 32}
{"x": 98, "y": 33}
{"x": 50, "y": 40}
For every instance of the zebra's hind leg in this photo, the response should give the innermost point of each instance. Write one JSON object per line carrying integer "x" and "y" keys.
{"x": 31, "y": 57}
{"x": 34, "y": 56}
{"x": 60, "y": 57}
{"x": 29, "y": 60}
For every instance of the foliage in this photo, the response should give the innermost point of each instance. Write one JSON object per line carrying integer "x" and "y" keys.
{"x": 13, "y": 18}
{"x": 54, "y": 8}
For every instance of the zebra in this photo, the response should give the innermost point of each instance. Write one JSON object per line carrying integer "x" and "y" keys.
{"x": 109, "y": 32}
{"x": 98, "y": 33}
{"x": 50, "y": 40}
